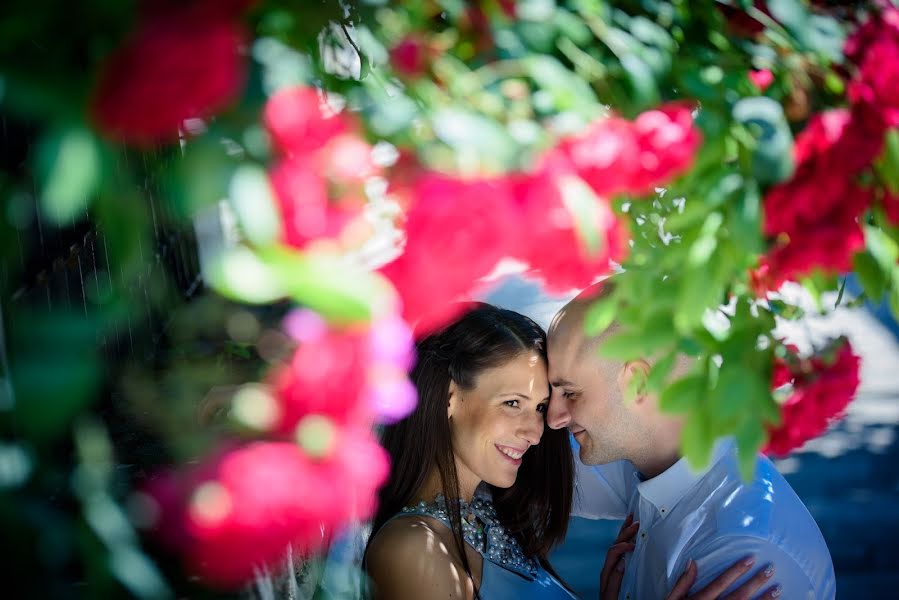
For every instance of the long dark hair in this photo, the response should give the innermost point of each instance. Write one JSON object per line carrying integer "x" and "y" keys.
{"x": 537, "y": 507}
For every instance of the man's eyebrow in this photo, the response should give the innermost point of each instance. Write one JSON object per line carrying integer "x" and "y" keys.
{"x": 560, "y": 383}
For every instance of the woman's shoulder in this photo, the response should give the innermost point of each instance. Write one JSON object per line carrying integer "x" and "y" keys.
{"x": 411, "y": 535}
{"x": 415, "y": 556}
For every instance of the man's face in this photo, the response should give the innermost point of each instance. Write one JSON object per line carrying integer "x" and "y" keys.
{"x": 586, "y": 397}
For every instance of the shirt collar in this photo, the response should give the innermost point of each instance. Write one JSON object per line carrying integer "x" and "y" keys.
{"x": 667, "y": 488}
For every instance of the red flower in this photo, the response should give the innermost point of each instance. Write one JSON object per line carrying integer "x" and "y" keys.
{"x": 762, "y": 79}
{"x": 874, "y": 47}
{"x": 409, "y": 57}
{"x": 171, "y": 69}
{"x": 828, "y": 247}
{"x": 813, "y": 217}
{"x": 241, "y": 510}
{"x": 299, "y": 123}
{"x": 617, "y": 156}
{"x": 551, "y": 243}
{"x": 456, "y": 232}
{"x": 822, "y": 391}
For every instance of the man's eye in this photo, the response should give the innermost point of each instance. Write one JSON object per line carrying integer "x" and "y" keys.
{"x": 568, "y": 395}
{"x": 512, "y": 403}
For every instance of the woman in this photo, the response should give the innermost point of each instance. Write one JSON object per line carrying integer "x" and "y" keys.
{"x": 480, "y": 491}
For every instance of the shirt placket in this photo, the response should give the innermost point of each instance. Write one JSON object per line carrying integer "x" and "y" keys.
{"x": 645, "y": 513}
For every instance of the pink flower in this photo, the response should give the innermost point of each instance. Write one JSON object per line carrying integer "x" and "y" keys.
{"x": 617, "y": 156}
{"x": 326, "y": 376}
{"x": 299, "y": 122}
{"x": 456, "y": 232}
{"x": 360, "y": 374}
{"x": 307, "y": 212}
{"x": 668, "y": 141}
{"x": 822, "y": 389}
{"x": 761, "y": 79}
{"x": 240, "y": 510}
{"x": 605, "y": 155}
{"x": 170, "y": 69}
{"x": 555, "y": 249}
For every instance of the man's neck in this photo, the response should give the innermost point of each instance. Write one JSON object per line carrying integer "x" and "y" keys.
{"x": 655, "y": 463}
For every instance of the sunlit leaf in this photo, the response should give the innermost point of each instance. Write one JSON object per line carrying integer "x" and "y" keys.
{"x": 69, "y": 165}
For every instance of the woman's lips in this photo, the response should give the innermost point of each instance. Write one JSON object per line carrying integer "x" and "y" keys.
{"x": 505, "y": 450}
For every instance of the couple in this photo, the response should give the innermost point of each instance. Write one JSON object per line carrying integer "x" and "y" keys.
{"x": 481, "y": 490}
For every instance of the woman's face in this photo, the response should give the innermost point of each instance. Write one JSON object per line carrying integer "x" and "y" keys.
{"x": 494, "y": 423}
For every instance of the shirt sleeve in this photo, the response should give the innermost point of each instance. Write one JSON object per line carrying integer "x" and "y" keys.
{"x": 717, "y": 556}
{"x": 602, "y": 491}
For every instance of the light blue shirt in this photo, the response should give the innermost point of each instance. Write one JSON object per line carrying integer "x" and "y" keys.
{"x": 711, "y": 517}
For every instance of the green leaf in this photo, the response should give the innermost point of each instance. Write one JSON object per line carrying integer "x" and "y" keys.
{"x": 750, "y": 437}
{"x": 625, "y": 345}
{"x": 882, "y": 247}
{"x": 567, "y": 90}
{"x": 684, "y": 395}
{"x": 239, "y": 274}
{"x": 870, "y": 275}
{"x": 772, "y": 156}
{"x": 642, "y": 81}
{"x": 888, "y": 165}
{"x": 737, "y": 393}
{"x": 252, "y": 198}
{"x": 474, "y": 136}
{"x": 697, "y": 440}
{"x": 660, "y": 371}
{"x": 599, "y": 316}
{"x": 337, "y": 289}
{"x": 582, "y": 203}
{"x": 68, "y": 164}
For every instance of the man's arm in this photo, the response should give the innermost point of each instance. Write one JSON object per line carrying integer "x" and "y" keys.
{"x": 810, "y": 581}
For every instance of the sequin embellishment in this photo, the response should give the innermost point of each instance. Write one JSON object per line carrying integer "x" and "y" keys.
{"x": 482, "y": 531}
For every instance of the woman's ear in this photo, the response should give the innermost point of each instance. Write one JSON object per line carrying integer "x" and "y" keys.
{"x": 453, "y": 399}
{"x": 632, "y": 380}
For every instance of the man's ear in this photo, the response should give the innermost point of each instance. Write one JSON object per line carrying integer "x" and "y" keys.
{"x": 453, "y": 399}
{"x": 632, "y": 380}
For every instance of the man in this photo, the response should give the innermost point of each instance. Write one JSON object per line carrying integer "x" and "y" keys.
{"x": 710, "y": 517}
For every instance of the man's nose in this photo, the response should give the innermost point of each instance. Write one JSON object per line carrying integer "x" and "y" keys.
{"x": 557, "y": 415}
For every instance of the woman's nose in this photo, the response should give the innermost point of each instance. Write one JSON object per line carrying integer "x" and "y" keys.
{"x": 532, "y": 429}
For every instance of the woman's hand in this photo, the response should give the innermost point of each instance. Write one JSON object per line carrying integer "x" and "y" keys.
{"x": 613, "y": 569}
{"x": 713, "y": 590}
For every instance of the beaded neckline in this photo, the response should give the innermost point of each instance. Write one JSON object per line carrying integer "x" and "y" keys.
{"x": 482, "y": 531}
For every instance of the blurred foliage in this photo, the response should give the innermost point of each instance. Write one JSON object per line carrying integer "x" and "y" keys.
{"x": 113, "y": 364}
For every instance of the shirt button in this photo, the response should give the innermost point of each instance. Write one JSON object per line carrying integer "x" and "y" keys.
{"x": 642, "y": 535}
{"x": 664, "y": 510}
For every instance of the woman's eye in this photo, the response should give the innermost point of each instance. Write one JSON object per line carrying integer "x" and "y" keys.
{"x": 542, "y": 407}
{"x": 512, "y": 403}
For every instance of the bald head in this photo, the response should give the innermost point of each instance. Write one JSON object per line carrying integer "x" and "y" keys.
{"x": 568, "y": 324}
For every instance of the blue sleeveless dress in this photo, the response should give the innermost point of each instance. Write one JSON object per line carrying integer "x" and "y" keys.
{"x": 507, "y": 574}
